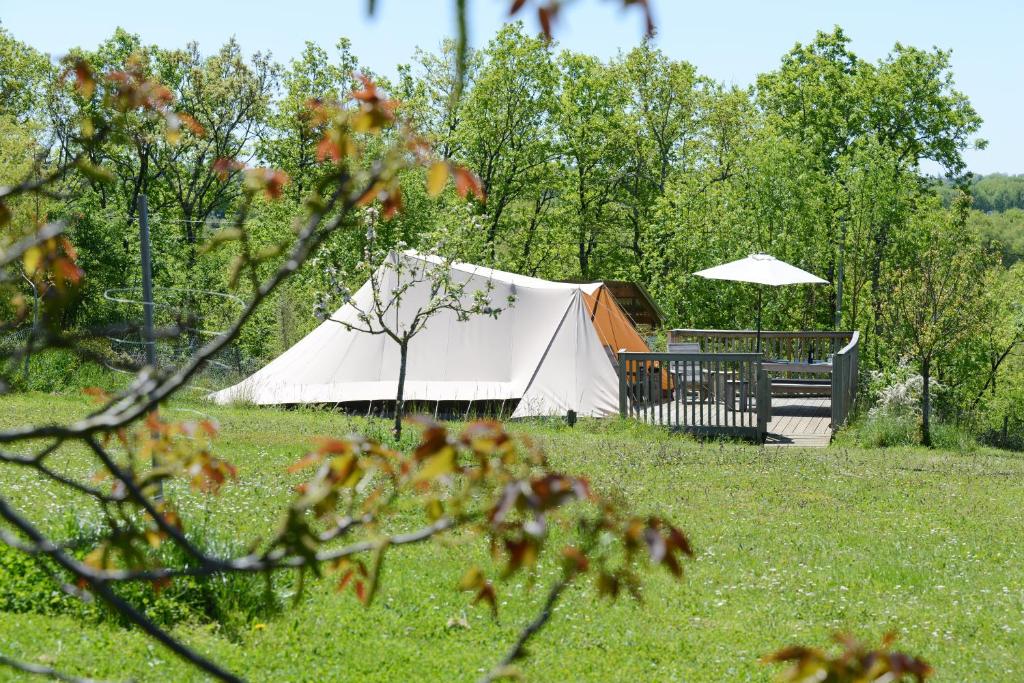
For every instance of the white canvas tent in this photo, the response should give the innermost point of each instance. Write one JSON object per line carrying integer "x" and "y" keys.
{"x": 544, "y": 351}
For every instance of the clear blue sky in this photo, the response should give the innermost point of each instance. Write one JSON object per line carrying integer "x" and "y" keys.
{"x": 729, "y": 41}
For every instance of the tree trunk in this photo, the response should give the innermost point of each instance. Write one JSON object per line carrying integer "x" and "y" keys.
{"x": 399, "y": 399}
{"x": 926, "y": 402}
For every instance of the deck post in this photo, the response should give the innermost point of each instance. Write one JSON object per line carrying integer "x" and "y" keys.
{"x": 622, "y": 382}
{"x": 764, "y": 401}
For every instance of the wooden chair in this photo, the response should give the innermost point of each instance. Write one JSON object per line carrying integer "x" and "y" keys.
{"x": 689, "y": 376}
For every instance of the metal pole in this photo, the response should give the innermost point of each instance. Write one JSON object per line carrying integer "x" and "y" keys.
{"x": 839, "y": 293}
{"x": 147, "y": 302}
{"x": 147, "y": 283}
{"x": 35, "y": 319}
{"x": 759, "y": 288}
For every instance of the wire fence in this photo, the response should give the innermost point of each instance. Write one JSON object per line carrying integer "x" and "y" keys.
{"x": 184, "y": 320}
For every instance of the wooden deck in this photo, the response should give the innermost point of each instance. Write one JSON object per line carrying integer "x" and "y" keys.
{"x": 800, "y": 421}
{"x": 796, "y": 421}
{"x": 718, "y": 382}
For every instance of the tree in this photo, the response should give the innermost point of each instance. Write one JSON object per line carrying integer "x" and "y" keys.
{"x": 430, "y": 91}
{"x": 664, "y": 115}
{"x": 906, "y": 105}
{"x": 292, "y": 140}
{"x": 25, "y": 74}
{"x": 228, "y": 99}
{"x": 1001, "y": 329}
{"x": 925, "y": 313}
{"x": 504, "y": 133}
{"x": 588, "y": 125}
{"x": 428, "y": 289}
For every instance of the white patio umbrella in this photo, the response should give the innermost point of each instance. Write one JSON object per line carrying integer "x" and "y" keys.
{"x": 761, "y": 269}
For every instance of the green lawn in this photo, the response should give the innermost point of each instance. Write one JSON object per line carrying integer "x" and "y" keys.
{"x": 792, "y": 545}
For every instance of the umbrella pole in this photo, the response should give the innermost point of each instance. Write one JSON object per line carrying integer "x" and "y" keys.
{"x": 759, "y": 318}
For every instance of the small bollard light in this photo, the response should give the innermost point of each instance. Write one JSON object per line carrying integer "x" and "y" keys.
{"x": 570, "y": 418}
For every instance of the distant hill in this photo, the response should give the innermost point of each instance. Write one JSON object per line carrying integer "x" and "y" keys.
{"x": 1004, "y": 229}
{"x": 998, "y": 213}
{"x": 993, "y": 192}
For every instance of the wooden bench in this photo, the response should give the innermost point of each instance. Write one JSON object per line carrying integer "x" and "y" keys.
{"x": 795, "y": 387}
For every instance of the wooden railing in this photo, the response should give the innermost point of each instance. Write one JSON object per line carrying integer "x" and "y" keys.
{"x": 775, "y": 344}
{"x": 845, "y": 366}
{"x": 841, "y": 347}
{"x": 705, "y": 393}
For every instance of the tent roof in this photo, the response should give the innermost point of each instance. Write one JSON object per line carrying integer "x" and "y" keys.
{"x": 506, "y": 277}
{"x": 762, "y": 269}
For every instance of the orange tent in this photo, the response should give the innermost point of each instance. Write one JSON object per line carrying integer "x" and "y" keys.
{"x": 613, "y": 327}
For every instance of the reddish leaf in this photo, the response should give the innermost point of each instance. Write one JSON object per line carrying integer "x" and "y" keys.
{"x": 466, "y": 182}
{"x": 85, "y": 83}
{"x": 69, "y": 249}
{"x": 305, "y": 461}
{"x": 68, "y": 270}
{"x": 345, "y": 578}
{"x": 433, "y": 438}
{"x": 328, "y": 149}
{"x": 224, "y": 167}
{"x": 193, "y": 125}
{"x": 545, "y": 15}
{"x": 369, "y": 91}
{"x": 161, "y": 583}
{"x": 99, "y": 395}
{"x": 392, "y": 203}
{"x": 488, "y": 594}
{"x": 645, "y": 6}
{"x": 575, "y": 558}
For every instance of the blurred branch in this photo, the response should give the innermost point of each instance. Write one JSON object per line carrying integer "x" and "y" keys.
{"x": 518, "y": 649}
{"x": 39, "y": 670}
{"x": 100, "y": 586}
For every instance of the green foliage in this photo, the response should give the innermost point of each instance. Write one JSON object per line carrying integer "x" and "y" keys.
{"x": 885, "y": 430}
{"x": 28, "y": 586}
{"x": 24, "y": 76}
{"x": 65, "y": 372}
{"x": 928, "y": 300}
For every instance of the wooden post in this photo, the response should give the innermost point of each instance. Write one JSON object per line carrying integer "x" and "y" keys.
{"x": 622, "y": 382}
{"x": 764, "y": 401}
{"x": 838, "y": 390}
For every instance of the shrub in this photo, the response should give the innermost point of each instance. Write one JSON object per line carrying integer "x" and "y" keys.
{"x": 233, "y": 601}
{"x": 58, "y": 371}
{"x": 882, "y": 430}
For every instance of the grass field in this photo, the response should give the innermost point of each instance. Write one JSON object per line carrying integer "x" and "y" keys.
{"x": 792, "y": 545}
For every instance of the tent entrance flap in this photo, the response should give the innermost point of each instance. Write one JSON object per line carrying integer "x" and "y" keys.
{"x": 574, "y": 373}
